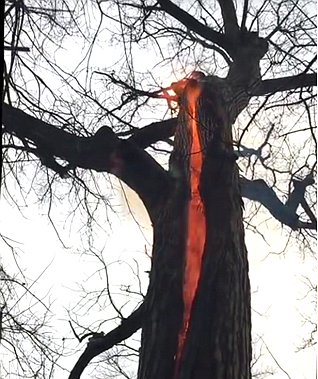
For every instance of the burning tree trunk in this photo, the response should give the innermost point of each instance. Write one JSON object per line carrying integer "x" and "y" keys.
{"x": 198, "y": 323}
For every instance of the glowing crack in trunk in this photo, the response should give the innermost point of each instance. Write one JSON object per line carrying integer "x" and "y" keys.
{"x": 196, "y": 224}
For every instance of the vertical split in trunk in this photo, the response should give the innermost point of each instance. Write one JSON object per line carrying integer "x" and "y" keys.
{"x": 198, "y": 323}
{"x": 196, "y": 225}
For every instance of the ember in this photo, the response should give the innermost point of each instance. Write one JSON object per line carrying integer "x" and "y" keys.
{"x": 196, "y": 221}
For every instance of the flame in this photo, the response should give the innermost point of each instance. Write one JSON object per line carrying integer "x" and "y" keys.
{"x": 174, "y": 92}
{"x": 196, "y": 223}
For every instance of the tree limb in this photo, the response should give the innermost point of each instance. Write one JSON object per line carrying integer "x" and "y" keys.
{"x": 100, "y": 343}
{"x": 102, "y": 152}
{"x": 297, "y": 195}
{"x": 244, "y": 15}
{"x": 157, "y": 131}
{"x": 259, "y": 191}
{"x": 191, "y": 23}
{"x": 231, "y": 27}
{"x": 271, "y": 86}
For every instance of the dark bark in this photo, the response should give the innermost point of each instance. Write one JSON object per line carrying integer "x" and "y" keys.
{"x": 231, "y": 27}
{"x": 164, "y": 297}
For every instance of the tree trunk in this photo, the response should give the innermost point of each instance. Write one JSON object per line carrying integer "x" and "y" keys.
{"x": 218, "y": 338}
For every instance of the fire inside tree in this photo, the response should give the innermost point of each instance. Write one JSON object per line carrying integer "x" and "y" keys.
{"x": 207, "y": 316}
{"x": 196, "y": 226}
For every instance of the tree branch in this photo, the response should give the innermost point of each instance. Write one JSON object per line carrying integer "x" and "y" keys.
{"x": 296, "y": 197}
{"x": 231, "y": 27}
{"x": 100, "y": 343}
{"x": 259, "y": 191}
{"x": 285, "y": 84}
{"x": 244, "y": 15}
{"x": 157, "y": 131}
{"x": 191, "y": 23}
{"x": 102, "y": 152}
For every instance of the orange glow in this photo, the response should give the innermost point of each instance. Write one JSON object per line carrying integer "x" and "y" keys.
{"x": 196, "y": 223}
{"x": 174, "y": 92}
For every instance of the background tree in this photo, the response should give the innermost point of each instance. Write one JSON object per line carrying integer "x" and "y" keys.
{"x": 59, "y": 121}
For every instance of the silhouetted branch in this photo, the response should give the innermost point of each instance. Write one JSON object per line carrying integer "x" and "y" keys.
{"x": 100, "y": 343}
{"x": 17, "y": 48}
{"x": 259, "y": 191}
{"x": 102, "y": 152}
{"x": 229, "y": 17}
{"x": 157, "y": 131}
{"x": 244, "y": 15}
{"x": 285, "y": 84}
{"x": 191, "y": 23}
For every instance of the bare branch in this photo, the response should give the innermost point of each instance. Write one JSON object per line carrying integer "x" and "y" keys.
{"x": 157, "y": 131}
{"x": 231, "y": 27}
{"x": 102, "y": 152}
{"x": 100, "y": 343}
{"x": 271, "y": 86}
{"x": 259, "y": 191}
{"x": 191, "y": 23}
{"x": 244, "y": 16}
{"x": 17, "y": 48}
{"x": 309, "y": 212}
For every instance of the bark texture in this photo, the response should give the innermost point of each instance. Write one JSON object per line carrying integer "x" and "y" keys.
{"x": 218, "y": 343}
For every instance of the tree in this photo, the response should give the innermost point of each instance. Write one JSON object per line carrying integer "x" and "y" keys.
{"x": 244, "y": 50}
